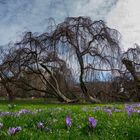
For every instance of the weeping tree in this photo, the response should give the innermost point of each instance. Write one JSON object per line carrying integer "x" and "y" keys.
{"x": 33, "y": 55}
{"x": 88, "y": 45}
{"x": 131, "y": 61}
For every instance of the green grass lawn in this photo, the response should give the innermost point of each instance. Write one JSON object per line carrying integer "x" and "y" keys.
{"x": 118, "y": 126}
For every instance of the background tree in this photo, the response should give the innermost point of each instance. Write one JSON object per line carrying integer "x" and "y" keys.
{"x": 131, "y": 60}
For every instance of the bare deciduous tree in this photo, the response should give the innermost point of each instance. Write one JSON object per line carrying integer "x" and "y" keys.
{"x": 92, "y": 43}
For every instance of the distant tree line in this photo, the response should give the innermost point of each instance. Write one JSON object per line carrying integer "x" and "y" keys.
{"x": 78, "y": 60}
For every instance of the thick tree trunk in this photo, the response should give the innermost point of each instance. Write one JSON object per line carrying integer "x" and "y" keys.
{"x": 5, "y": 82}
{"x": 82, "y": 83}
{"x": 56, "y": 88}
{"x": 131, "y": 68}
{"x": 9, "y": 92}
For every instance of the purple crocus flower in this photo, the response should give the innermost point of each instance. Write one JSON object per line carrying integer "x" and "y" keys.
{"x": 109, "y": 111}
{"x": 40, "y": 125}
{"x": 129, "y": 110}
{"x": 12, "y": 131}
{"x": 1, "y": 125}
{"x": 68, "y": 121}
{"x": 92, "y": 121}
{"x": 138, "y": 111}
{"x": 138, "y": 105}
{"x": 18, "y": 129}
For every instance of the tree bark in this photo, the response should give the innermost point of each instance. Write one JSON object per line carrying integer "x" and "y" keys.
{"x": 5, "y": 82}
{"x": 9, "y": 92}
{"x": 56, "y": 88}
{"x": 131, "y": 68}
{"x": 82, "y": 83}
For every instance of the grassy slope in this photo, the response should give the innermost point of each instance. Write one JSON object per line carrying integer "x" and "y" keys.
{"x": 117, "y": 127}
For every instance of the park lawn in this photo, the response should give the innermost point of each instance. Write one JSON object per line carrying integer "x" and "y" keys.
{"x": 118, "y": 126}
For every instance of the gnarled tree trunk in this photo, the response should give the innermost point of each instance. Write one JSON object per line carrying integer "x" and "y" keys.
{"x": 56, "y": 87}
{"x": 131, "y": 68}
{"x": 87, "y": 96}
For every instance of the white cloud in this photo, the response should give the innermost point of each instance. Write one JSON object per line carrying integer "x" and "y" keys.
{"x": 125, "y": 17}
{"x": 16, "y": 16}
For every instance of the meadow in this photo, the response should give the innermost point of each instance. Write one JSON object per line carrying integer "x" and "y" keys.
{"x": 32, "y": 120}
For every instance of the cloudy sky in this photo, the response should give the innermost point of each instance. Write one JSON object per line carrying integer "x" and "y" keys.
{"x": 17, "y": 16}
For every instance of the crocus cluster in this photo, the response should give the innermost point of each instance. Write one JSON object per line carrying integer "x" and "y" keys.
{"x": 92, "y": 121}
{"x": 137, "y": 111}
{"x": 136, "y": 105}
{"x": 5, "y": 114}
{"x": 24, "y": 111}
{"x": 19, "y": 113}
{"x": 14, "y": 130}
{"x": 68, "y": 121}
